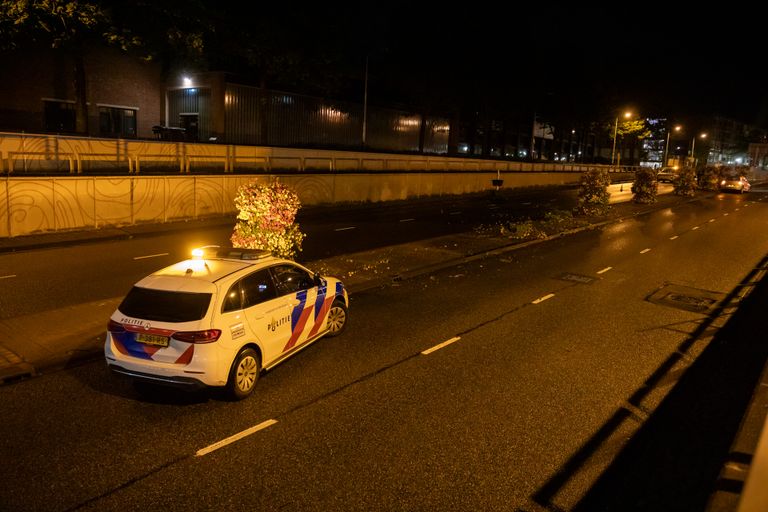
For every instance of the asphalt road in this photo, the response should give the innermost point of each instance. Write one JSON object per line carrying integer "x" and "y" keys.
{"x": 561, "y": 357}
{"x": 41, "y": 280}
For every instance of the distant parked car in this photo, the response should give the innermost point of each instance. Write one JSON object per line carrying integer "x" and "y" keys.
{"x": 667, "y": 174}
{"x": 736, "y": 183}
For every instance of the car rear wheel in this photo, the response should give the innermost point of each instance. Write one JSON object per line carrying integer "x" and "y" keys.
{"x": 337, "y": 318}
{"x": 244, "y": 374}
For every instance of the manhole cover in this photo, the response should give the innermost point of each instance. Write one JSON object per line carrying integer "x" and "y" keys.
{"x": 687, "y": 298}
{"x": 577, "y": 278}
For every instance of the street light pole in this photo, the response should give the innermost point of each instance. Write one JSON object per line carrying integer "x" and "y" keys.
{"x": 365, "y": 100}
{"x": 666, "y": 146}
{"x": 627, "y": 115}
{"x": 693, "y": 146}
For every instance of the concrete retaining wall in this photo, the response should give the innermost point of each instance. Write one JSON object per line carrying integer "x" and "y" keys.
{"x": 39, "y": 204}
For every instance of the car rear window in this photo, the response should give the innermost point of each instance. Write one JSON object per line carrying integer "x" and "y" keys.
{"x": 164, "y": 306}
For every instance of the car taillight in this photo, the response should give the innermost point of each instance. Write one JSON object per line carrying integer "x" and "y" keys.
{"x": 207, "y": 336}
{"x": 113, "y": 326}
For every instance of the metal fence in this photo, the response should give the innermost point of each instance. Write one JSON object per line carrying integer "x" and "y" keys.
{"x": 50, "y": 155}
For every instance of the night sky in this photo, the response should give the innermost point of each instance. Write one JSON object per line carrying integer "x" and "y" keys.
{"x": 677, "y": 62}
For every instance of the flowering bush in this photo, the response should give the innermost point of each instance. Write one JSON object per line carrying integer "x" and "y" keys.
{"x": 645, "y": 186}
{"x": 709, "y": 178}
{"x": 266, "y": 219}
{"x": 593, "y": 193}
{"x": 685, "y": 183}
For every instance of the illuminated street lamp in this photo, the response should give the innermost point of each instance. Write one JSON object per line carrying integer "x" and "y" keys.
{"x": 693, "y": 143}
{"x": 693, "y": 146}
{"x": 627, "y": 115}
{"x": 666, "y": 146}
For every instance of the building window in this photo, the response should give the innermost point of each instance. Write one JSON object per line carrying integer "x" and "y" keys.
{"x": 59, "y": 116}
{"x": 117, "y": 122}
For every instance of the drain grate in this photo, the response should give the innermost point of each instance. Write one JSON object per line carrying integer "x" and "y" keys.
{"x": 686, "y": 297}
{"x": 577, "y": 278}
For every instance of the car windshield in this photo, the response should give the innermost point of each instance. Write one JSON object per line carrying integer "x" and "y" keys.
{"x": 164, "y": 306}
{"x": 732, "y": 178}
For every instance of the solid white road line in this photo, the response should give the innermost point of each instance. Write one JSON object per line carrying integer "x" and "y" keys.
{"x": 542, "y": 299}
{"x": 645, "y": 251}
{"x": 345, "y": 229}
{"x": 606, "y": 269}
{"x": 236, "y": 437}
{"x": 441, "y": 345}
{"x": 150, "y": 256}
{"x": 8, "y": 276}
{"x": 673, "y": 237}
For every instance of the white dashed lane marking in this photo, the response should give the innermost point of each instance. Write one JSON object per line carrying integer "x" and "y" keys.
{"x": 673, "y": 237}
{"x": 645, "y": 251}
{"x": 695, "y": 228}
{"x": 8, "y": 276}
{"x": 542, "y": 299}
{"x": 407, "y": 220}
{"x": 345, "y": 229}
{"x": 236, "y": 437}
{"x": 606, "y": 269}
{"x": 440, "y": 345}
{"x": 150, "y": 256}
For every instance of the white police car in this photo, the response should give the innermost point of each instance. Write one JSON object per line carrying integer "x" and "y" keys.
{"x": 220, "y": 318}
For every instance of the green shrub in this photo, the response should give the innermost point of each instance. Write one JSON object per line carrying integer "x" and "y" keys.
{"x": 645, "y": 188}
{"x": 685, "y": 183}
{"x": 709, "y": 178}
{"x": 593, "y": 193}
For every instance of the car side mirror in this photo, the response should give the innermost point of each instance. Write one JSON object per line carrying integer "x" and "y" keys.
{"x": 318, "y": 279}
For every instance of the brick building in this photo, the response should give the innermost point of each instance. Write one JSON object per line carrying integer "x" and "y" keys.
{"x": 124, "y": 94}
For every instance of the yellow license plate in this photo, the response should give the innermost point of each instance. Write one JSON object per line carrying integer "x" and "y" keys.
{"x": 152, "y": 339}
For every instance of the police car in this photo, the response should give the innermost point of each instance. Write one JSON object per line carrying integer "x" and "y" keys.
{"x": 221, "y": 317}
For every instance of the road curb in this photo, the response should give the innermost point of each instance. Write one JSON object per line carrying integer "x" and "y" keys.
{"x": 426, "y": 269}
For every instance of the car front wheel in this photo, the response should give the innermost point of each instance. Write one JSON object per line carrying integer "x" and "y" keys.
{"x": 337, "y": 318}
{"x": 244, "y": 374}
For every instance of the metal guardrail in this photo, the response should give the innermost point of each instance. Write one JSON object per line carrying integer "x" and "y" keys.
{"x": 54, "y": 154}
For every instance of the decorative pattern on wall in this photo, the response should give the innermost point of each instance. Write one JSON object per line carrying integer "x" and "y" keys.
{"x": 62, "y": 183}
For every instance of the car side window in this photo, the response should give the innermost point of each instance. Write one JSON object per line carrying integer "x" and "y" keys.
{"x": 291, "y": 279}
{"x": 257, "y": 288}
{"x": 233, "y": 301}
